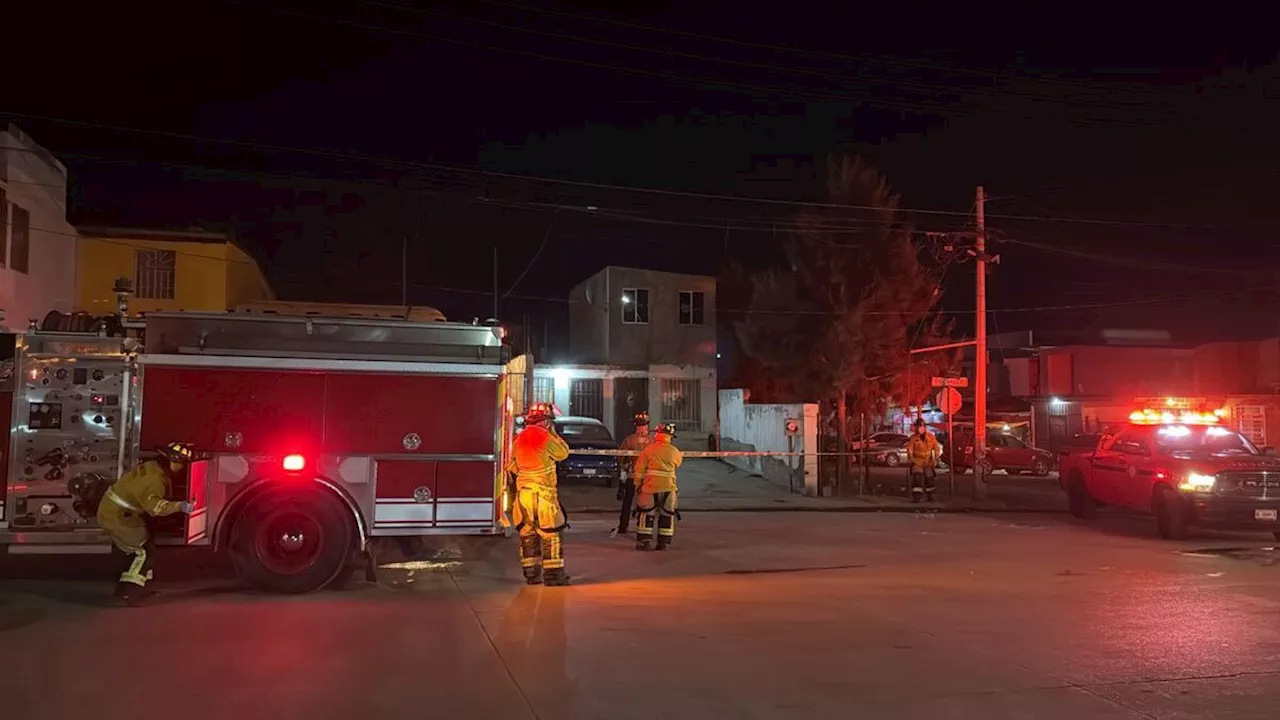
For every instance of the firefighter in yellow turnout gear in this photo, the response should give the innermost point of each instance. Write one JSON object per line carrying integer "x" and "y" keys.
{"x": 140, "y": 493}
{"x": 537, "y": 511}
{"x": 656, "y": 489}
{"x": 634, "y": 442}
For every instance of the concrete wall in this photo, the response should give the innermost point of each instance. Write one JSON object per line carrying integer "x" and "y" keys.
{"x": 762, "y": 428}
{"x": 599, "y": 335}
{"x": 32, "y": 179}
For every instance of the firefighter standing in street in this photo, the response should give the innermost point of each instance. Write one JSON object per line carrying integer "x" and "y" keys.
{"x": 537, "y": 511}
{"x": 634, "y": 442}
{"x": 141, "y": 493}
{"x": 923, "y": 452}
{"x": 656, "y": 489}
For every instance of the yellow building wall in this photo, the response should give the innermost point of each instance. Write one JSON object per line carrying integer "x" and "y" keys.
{"x": 209, "y": 277}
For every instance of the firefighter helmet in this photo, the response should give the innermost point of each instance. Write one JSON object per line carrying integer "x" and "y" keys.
{"x": 641, "y": 418}
{"x": 538, "y": 412}
{"x": 177, "y": 452}
{"x": 667, "y": 428}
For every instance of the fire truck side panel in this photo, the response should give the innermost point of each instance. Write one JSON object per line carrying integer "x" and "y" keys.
{"x": 377, "y": 414}
{"x": 466, "y": 494}
{"x": 233, "y": 410}
{"x": 406, "y": 495}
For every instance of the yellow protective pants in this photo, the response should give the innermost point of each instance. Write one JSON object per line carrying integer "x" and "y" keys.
{"x": 661, "y": 507}
{"x": 538, "y": 515}
{"x": 128, "y": 531}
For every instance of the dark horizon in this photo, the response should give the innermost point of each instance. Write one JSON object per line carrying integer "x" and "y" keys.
{"x": 1128, "y": 190}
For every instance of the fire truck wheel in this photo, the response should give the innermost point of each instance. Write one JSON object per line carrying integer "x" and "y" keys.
{"x": 1171, "y": 514}
{"x": 292, "y": 541}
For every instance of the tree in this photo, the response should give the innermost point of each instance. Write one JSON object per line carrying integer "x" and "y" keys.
{"x": 839, "y": 320}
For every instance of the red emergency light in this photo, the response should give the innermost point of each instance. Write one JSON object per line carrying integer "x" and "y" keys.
{"x": 293, "y": 463}
{"x": 1175, "y": 417}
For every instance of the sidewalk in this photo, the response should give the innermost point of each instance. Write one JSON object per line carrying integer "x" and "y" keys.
{"x": 708, "y": 485}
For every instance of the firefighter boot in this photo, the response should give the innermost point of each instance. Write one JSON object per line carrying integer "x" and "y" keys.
{"x": 530, "y": 557}
{"x": 644, "y": 529}
{"x": 556, "y": 577}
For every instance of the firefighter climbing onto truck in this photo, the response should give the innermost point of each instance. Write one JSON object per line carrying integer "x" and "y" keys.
{"x": 635, "y": 442}
{"x": 141, "y": 493}
{"x": 537, "y": 511}
{"x": 657, "y": 490}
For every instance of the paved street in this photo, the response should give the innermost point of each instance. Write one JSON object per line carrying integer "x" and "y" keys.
{"x": 708, "y": 484}
{"x": 751, "y": 615}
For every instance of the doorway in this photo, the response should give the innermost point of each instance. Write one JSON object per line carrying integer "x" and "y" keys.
{"x": 630, "y": 396}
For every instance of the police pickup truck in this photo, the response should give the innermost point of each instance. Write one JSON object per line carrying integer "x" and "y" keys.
{"x": 1186, "y": 468}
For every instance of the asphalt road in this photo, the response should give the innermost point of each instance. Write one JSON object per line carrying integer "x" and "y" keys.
{"x": 769, "y": 615}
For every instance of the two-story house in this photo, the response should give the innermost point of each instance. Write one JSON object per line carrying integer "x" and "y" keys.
{"x": 169, "y": 270}
{"x": 37, "y": 244}
{"x": 639, "y": 340}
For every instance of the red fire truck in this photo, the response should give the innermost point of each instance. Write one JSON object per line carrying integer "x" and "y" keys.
{"x": 319, "y": 437}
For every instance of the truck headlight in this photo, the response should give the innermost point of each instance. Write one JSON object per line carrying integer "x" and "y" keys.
{"x": 1197, "y": 482}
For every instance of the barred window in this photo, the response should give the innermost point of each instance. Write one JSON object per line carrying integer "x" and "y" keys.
{"x": 544, "y": 390}
{"x": 682, "y": 403}
{"x": 157, "y": 273}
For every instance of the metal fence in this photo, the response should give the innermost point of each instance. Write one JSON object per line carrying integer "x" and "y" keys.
{"x": 681, "y": 403}
{"x": 586, "y": 398}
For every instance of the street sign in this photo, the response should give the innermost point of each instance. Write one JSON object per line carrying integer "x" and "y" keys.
{"x": 949, "y": 400}
{"x": 951, "y": 382}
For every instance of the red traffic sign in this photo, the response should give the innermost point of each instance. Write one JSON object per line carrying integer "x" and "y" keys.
{"x": 949, "y": 401}
{"x": 951, "y": 382}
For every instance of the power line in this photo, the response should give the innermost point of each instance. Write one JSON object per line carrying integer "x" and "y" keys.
{"x": 892, "y": 62}
{"x": 897, "y": 82}
{"x": 828, "y": 313}
{"x": 409, "y": 164}
{"x": 872, "y": 101}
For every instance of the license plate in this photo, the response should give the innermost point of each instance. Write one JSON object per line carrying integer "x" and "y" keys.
{"x": 1264, "y": 514}
{"x": 592, "y": 471}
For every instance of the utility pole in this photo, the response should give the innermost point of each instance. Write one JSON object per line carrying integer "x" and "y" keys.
{"x": 495, "y": 282}
{"x": 980, "y": 353}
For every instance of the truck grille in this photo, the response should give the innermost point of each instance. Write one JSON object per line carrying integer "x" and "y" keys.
{"x": 1249, "y": 484}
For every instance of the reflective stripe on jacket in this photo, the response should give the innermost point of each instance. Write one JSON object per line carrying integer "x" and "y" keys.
{"x": 534, "y": 455}
{"x": 923, "y": 452}
{"x": 656, "y": 467}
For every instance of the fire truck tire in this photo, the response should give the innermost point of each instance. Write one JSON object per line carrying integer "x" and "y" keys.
{"x": 1171, "y": 513}
{"x": 1080, "y": 502}
{"x": 293, "y": 540}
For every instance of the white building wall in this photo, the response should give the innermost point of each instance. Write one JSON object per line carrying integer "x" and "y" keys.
{"x": 35, "y": 181}
{"x": 762, "y": 428}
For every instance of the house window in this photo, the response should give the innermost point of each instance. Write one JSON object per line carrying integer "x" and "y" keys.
{"x": 693, "y": 308}
{"x": 635, "y": 305}
{"x": 682, "y": 403}
{"x": 156, "y": 274}
{"x": 4, "y": 229}
{"x": 544, "y": 390}
{"x": 20, "y": 241}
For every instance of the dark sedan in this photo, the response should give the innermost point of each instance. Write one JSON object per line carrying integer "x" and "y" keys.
{"x": 584, "y": 433}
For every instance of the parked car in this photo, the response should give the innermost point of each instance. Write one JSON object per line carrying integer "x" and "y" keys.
{"x": 890, "y": 448}
{"x": 1007, "y": 452}
{"x": 584, "y": 433}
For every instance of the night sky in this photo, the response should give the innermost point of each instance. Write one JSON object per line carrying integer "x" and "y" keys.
{"x": 1129, "y": 189}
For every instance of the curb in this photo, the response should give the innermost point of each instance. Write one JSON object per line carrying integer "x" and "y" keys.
{"x": 899, "y": 509}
